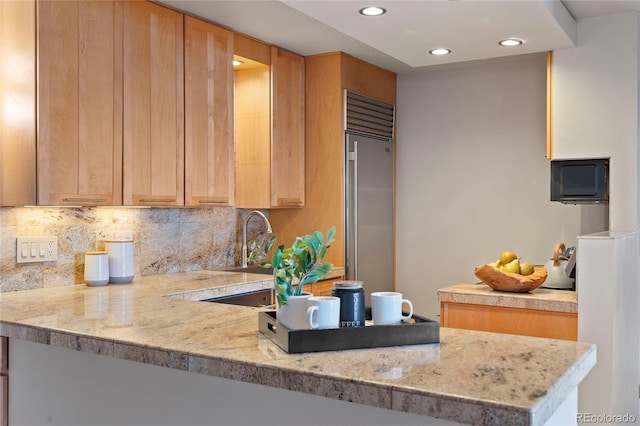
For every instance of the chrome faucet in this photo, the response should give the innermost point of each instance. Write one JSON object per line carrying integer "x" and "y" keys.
{"x": 245, "y": 254}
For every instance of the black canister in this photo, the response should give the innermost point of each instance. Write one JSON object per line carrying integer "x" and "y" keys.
{"x": 351, "y": 296}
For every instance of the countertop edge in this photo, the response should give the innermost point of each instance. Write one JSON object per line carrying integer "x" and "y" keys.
{"x": 372, "y": 394}
{"x": 448, "y": 407}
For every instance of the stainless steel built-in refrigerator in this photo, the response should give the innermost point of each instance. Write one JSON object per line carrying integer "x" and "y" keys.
{"x": 369, "y": 191}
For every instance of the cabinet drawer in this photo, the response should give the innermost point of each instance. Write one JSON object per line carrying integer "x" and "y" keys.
{"x": 498, "y": 319}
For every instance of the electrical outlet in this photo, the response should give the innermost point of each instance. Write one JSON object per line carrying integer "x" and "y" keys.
{"x": 36, "y": 249}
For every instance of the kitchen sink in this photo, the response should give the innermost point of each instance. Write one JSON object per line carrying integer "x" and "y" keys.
{"x": 251, "y": 269}
{"x": 259, "y": 298}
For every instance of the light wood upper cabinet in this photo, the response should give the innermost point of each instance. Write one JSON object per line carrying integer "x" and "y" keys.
{"x": 153, "y": 102}
{"x": 17, "y": 104}
{"x": 79, "y": 110}
{"x": 135, "y": 105}
{"x": 209, "y": 159}
{"x": 252, "y": 126}
{"x": 269, "y": 126}
{"x": 287, "y": 143}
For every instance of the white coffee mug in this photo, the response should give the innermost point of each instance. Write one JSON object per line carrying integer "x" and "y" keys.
{"x": 323, "y": 312}
{"x": 96, "y": 268}
{"x": 121, "y": 268}
{"x": 386, "y": 307}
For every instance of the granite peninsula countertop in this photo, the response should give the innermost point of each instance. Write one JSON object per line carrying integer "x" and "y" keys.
{"x": 543, "y": 299}
{"x": 469, "y": 377}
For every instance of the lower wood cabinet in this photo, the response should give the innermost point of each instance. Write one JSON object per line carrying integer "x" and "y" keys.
{"x": 324, "y": 287}
{"x": 500, "y": 319}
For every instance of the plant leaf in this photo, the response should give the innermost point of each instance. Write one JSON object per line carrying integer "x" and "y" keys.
{"x": 324, "y": 269}
{"x": 315, "y": 241}
{"x": 311, "y": 277}
{"x": 270, "y": 242}
{"x": 277, "y": 257}
{"x": 330, "y": 234}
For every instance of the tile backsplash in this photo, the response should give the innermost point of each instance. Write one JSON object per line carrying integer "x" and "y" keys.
{"x": 165, "y": 240}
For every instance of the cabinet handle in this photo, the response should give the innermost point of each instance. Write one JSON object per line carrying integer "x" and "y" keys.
{"x": 158, "y": 200}
{"x": 289, "y": 202}
{"x": 85, "y": 200}
{"x": 212, "y": 201}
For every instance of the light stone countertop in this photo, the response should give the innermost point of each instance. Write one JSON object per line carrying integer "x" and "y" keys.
{"x": 542, "y": 299}
{"x": 469, "y": 377}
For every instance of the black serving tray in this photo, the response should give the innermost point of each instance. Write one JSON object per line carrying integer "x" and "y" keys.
{"x": 415, "y": 331}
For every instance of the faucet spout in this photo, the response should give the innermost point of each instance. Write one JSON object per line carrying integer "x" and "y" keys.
{"x": 245, "y": 253}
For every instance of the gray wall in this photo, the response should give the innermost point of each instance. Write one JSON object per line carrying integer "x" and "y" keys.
{"x": 596, "y": 107}
{"x": 472, "y": 177}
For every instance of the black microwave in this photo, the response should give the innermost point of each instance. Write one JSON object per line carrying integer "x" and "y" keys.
{"x": 580, "y": 181}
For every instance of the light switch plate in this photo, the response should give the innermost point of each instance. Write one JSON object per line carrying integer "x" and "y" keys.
{"x": 36, "y": 249}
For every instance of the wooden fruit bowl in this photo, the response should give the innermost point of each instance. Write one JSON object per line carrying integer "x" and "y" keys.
{"x": 507, "y": 281}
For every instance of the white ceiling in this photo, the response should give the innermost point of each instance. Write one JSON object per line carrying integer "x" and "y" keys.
{"x": 400, "y": 39}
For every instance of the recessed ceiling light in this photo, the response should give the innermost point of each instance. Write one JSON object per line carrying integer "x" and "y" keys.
{"x": 236, "y": 63}
{"x": 439, "y": 52}
{"x": 372, "y": 11}
{"x": 510, "y": 42}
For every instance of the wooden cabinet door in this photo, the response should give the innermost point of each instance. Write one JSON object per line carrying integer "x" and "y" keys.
{"x": 17, "y": 109}
{"x": 209, "y": 170}
{"x": 269, "y": 126}
{"x": 252, "y": 122}
{"x": 153, "y": 135}
{"x": 287, "y": 140}
{"x": 79, "y": 103}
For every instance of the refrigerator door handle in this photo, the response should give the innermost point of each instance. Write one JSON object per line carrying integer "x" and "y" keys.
{"x": 355, "y": 209}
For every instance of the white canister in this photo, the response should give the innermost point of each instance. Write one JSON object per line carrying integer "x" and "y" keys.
{"x": 121, "y": 264}
{"x": 96, "y": 268}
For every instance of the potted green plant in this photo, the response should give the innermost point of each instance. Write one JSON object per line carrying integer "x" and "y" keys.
{"x": 293, "y": 267}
